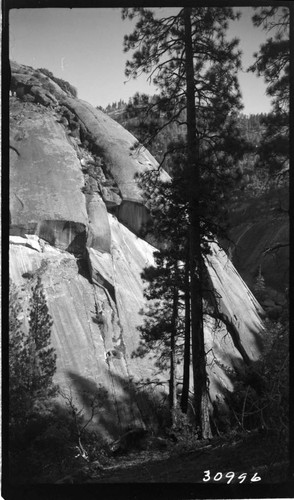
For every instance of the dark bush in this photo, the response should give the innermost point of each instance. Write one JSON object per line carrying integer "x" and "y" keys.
{"x": 261, "y": 397}
{"x": 42, "y": 448}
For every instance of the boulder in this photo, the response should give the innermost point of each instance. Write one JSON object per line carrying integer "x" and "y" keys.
{"x": 132, "y": 440}
{"x": 110, "y": 198}
{"x": 31, "y": 241}
{"x": 157, "y": 443}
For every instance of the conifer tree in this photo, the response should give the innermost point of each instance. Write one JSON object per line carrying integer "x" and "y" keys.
{"x": 160, "y": 331}
{"x": 194, "y": 67}
{"x": 32, "y": 362}
{"x": 40, "y": 325}
{"x": 162, "y": 327}
{"x": 273, "y": 63}
{"x": 19, "y": 360}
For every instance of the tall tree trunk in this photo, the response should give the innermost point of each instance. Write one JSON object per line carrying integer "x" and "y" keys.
{"x": 197, "y": 333}
{"x": 186, "y": 369}
{"x": 173, "y": 361}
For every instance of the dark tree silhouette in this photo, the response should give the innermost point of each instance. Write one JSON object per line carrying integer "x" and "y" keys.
{"x": 273, "y": 63}
{"x": 189, "y": 59}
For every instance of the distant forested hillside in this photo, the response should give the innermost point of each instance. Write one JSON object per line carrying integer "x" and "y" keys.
{"x": 133, "y": 117}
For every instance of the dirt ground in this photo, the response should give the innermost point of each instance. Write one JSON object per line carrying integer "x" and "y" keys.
{"x": 253, "y": 457}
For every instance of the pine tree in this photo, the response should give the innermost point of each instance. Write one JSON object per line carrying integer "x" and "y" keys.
{"x": 40, "y": 325}
{"x": 259, "y": 285}
{"x": 273, "y": 63}
{"x": 194, "y": 67}
{"x": 32, "y": 362}
{"x": 19, "y": 360}
{"x": 164, "y": 329}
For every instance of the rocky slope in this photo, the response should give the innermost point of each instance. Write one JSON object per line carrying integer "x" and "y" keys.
{"x": 76, "y": 217}
{"x": 260, "y": 249}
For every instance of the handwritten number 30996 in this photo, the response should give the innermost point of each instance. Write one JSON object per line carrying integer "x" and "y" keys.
{"x": 230, "y": 476}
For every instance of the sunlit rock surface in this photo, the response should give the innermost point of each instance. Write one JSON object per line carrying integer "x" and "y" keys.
{"x": 83, "y": 126}
{"x": 96, "y": 320}
{"x": 27, "y": 81}
{"x": 94, "y": 331}
{"x": 45, "y": 179}
{"x": 90, "y": 261}
{"x": 99, "y": 236}
{"x": 114, "y": 142}
{"x": 236, "y": 303}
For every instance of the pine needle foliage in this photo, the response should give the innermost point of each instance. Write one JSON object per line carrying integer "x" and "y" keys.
{"x": 32, "y": 360}
{"x": 194, "y": 66}
{"x": 40, "y": 328}
{"x": 272, "y": 62}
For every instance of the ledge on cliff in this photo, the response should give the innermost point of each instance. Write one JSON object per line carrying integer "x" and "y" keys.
{"x": 45, "y": 180}
{"x": 50, "y": 159}
{"x": 96, "y": 321}
{"x": 114, "y": 143}
{"x": 50, "y": 131}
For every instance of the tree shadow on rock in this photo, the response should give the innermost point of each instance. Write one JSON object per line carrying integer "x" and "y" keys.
{"x": 104, "y": 420}
{"x": 124, "y": 408}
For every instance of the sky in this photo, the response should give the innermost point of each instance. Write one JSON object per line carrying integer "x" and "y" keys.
{"x": 84, "y": 46}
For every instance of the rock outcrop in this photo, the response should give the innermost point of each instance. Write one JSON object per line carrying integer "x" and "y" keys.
{"x": 261, "y": 246}
{"x": 45, "y": 197}
{"x": 76, "y": 213}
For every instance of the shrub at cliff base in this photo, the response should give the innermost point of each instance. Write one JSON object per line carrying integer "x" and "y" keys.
{"x": 261, "y": 398}
{"x": 42, "y": 435}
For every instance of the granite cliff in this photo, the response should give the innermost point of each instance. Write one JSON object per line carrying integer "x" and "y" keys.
{"x": 261, "y": 246}
{"x": 76, "y": 219}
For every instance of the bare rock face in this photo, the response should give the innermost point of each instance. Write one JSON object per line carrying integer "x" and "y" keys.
{"x": 95, "y": 321}
{"x": 261, "y": 251}
{"x": 240, "y": 315}
{"x": 261, "y": 237}
{"x": 115, "y": 144}
{"x": 94, "y": 331}
{"x": 67, "y": 162}
{"x": 34, "y": 85}
{"x": 45, "y": 180}
{"x": 83, "y": 127}
{"x": 264, "y": 245}
{"x": 134, "y": 216}
{"x": 99, "y": 236}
